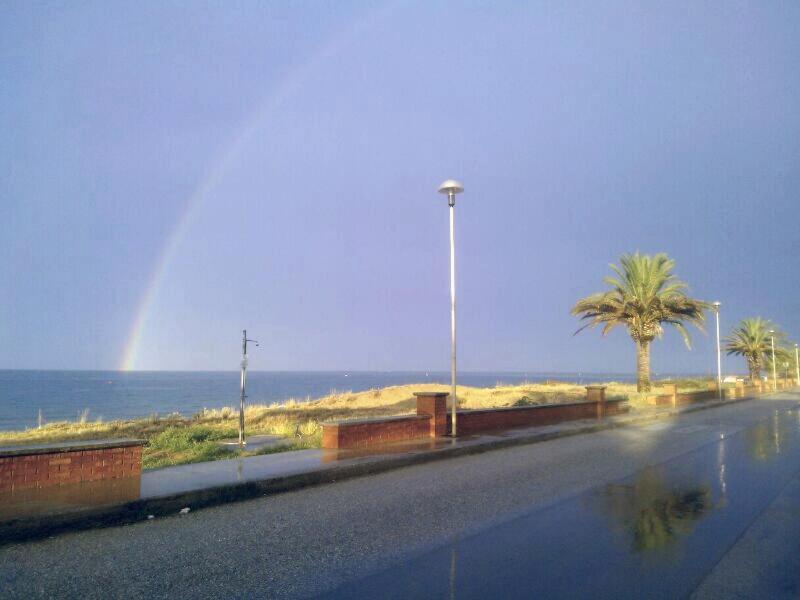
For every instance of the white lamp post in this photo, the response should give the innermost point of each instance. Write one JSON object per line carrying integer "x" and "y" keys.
{"x": 719, "y": 352}
{"x": 774, "y": 368}
{"x": 451, "y": 187}
{"x": 796, "y": 366}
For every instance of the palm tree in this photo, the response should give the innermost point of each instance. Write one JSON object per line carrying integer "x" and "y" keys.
{"x": 784, "y": 358}
{"x": 751, "y": 338}
{"x": 644, "y": 295}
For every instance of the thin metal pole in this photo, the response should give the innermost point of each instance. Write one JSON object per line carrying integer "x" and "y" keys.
{"x": 719, "y": 360}
{"x": 796, "y": 366}
{"x": 243, "y": 387}
{"x": 451, "y": 200}
{"x": 774, "y": 371}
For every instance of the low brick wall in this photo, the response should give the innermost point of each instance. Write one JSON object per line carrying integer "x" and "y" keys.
{"x": 661, "y": 400}
{"x": 26, "y": 467}
{"x": 694, "y": 397}
{"x": 477, "y": 421}
{"x": 368, "y": 432}
{"x": 673, "y": 398}
{"x": 432, "y": 420}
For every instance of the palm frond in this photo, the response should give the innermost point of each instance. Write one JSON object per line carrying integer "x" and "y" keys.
{"x": 643, "y": 295}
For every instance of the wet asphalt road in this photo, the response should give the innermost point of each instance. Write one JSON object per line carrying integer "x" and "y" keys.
{"x": 365, "y": 536}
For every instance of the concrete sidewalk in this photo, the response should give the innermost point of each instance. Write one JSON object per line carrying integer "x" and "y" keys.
{"x": 168, "y": 491}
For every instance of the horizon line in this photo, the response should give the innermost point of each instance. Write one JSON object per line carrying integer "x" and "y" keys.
{"x": 490, "y": 371}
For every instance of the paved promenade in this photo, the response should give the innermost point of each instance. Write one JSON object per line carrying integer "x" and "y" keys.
{"x": 343, "y": 537}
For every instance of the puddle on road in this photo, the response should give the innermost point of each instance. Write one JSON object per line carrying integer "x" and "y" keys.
{"x": 648, "y": 514}
{"x": 690, "y": 429}
{"x": 37, "y": 502}
{"x": 654, "y": 534}
{"x": 656, "y": 427}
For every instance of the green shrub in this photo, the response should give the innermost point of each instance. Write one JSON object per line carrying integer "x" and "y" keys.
{"x": 525, "y": 401}
{"x": 182, "y": 445}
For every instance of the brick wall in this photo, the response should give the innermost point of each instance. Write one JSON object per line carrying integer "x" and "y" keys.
{"x": 686, "y": 398}
{"x": 368, "y": 432}
{"x": 692, "y": 397}
{"x": 661, "y": 399}
{"x": 477, "y": 421}
{"x": 432, "y": 420}
{"x": 40, "y": 467}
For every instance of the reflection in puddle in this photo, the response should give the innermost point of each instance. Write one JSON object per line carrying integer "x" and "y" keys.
{"x": 64, "y": 498}
{"x": 769, "y": 438}
{"x": 453, "y": 563}
{"x": 404, "y": 447}
{"x": 654, "y": 515}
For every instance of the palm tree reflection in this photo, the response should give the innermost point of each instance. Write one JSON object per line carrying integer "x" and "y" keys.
{"x": 654, "y": 515}
{"x": 764, "y": 441}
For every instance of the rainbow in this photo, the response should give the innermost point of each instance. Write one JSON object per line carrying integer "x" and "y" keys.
{"x": 255, "y": 123}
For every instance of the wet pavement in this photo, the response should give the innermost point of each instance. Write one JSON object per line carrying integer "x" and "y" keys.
{"x": 656, "y": 534}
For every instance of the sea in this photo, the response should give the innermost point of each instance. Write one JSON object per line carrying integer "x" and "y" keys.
{"x": 28, "y": 395}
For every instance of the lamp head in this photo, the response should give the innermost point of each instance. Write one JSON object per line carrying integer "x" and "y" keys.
{"x": 451, "y": 186}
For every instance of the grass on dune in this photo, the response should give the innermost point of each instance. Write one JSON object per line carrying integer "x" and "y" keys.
{"x": 177, "y": 440}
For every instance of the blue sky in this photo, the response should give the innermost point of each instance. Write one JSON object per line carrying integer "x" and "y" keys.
{"x": 186, "y": 170}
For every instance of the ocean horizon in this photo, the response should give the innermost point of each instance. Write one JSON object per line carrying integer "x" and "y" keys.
{"x": 69, "y": 395}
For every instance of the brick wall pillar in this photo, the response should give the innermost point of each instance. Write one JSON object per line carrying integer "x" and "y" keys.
{"x": 597, "y": 393}
{"x": 671, "y": 389}
{"x": 434, "y": 405}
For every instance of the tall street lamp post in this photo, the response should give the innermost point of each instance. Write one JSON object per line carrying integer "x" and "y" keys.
{"x": 451, "y": 187}
{"x": 719, "y": 352}
{"x": 796, "y": 365}
{"x": 774, "y": 367}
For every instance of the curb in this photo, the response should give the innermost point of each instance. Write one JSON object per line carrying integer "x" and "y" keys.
{"x": 32, "y": 528}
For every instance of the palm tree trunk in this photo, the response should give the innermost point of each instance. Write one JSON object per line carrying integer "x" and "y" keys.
{"x": 755, "y": 369}
{"x": 642, "y": 366}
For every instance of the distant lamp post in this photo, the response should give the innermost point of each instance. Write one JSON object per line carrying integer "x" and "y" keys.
{"x": 774, "y": 367}
{"x": 716, "y": 306}
{"x": 243, "y": 386}
{"x": 451, "y": 187}
{"x": 796, "y": 366}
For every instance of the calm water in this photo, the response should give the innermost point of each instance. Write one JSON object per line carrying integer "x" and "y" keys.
{"x": 62, "y": 395}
